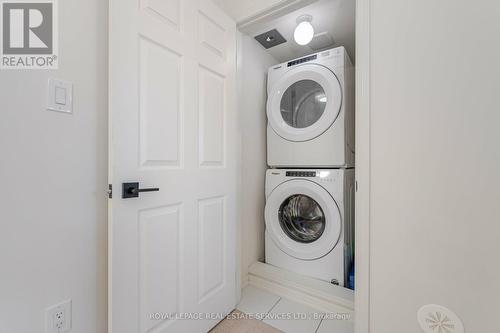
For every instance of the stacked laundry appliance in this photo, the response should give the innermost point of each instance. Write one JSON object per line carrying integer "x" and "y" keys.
{"x": 309, "y": 210}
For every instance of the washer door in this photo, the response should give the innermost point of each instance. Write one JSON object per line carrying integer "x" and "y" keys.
{"x": 304, "y": 103}
{"x": 303, "y": 219}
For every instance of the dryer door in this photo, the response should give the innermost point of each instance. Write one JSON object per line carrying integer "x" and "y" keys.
{"x": 303, "y": 219}
{"x": 304, "y": 103}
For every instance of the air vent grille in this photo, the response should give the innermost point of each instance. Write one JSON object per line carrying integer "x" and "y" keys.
{"x": 270, "y": 39}
{"x": 438, "y": 319}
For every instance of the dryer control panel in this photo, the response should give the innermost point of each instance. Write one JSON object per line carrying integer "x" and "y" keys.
{"x": 301, "y": 173}
{"x": 302, "y": 60}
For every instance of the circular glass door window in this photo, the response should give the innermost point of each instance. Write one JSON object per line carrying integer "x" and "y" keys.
{"x": 302, "y": 218}
{"x": 303, "y": 103}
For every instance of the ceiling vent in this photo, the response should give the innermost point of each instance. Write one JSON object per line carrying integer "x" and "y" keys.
{"x": 270, "y": 39}
{"x": 321, "y": 41}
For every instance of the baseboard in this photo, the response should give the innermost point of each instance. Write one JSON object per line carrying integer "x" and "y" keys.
{"x": 317, "y": 294}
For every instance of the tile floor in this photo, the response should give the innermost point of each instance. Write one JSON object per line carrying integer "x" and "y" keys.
{"x": 289, "y": 316}
{"x": 242, "y": 325}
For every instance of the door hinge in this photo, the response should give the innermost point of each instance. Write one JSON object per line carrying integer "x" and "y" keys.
{"x": 110, "y": 191}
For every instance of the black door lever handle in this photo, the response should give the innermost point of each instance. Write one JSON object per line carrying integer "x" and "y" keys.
{"x": 132, "y": 190}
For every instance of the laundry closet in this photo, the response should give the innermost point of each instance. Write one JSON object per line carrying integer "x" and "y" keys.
{"x": 298, "y": 153}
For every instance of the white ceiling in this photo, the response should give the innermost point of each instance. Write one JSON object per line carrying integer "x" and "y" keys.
{"x": 240, "y": 10}
{"x": 336, "y": 17}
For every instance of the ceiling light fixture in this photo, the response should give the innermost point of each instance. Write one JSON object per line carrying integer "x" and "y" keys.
{"x": 304, "y": 32}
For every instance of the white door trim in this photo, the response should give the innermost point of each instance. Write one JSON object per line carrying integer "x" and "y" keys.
{"x": 240, "y": 282}
{"x": 363, "y": 228}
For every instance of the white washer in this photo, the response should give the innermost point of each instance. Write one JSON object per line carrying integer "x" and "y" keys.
{"x": 310, "y": 222}
{"x": 310, "y": 112}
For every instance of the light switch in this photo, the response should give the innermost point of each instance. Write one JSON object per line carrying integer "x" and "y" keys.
{"x": 60, "y": 96}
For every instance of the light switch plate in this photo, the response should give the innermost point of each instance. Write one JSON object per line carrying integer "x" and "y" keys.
{"x": 60, "y": 96}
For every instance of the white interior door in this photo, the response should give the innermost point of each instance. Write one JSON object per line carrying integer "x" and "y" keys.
{"x": 173, "y": 123}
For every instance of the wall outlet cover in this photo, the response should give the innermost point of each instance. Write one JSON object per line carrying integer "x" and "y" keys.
{"x": 58, "y": 318}
{"x": 438, "y": 319}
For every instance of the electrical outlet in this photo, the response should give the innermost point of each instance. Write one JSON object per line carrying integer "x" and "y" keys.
{"x": 58, "y": 318}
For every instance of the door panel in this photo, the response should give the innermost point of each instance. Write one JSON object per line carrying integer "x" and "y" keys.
{"x": 173, "y": 124}
{"x": 211, "y": 114}
{"x": 160, "y": 74}
{"x": 211, "y": 35}
{"x": 159, "y": 231}
{"x": 167, "y": 10}
{"x": 211, "y": 232}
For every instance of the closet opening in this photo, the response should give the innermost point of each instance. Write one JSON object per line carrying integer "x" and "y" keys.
{"x": 296, "y": 100}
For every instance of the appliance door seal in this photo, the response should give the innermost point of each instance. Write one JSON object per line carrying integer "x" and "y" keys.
{"x": 304, "y": 103}
{"x": 331, "y": 233}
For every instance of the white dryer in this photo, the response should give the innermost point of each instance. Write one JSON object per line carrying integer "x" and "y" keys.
{"x": 310, "y": 112}
{"x": 310, "y": 222}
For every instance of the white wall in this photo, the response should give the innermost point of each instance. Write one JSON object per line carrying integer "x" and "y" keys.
{"x": 53, "y": 171}
{"x": 253, "y": 62}
{"x": 435, "y": 163}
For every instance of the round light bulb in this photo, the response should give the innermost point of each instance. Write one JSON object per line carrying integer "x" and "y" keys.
{"x": 304, "y": 33}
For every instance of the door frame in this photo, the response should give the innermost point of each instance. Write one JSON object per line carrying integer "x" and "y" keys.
{"x": 363, "y": 168}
